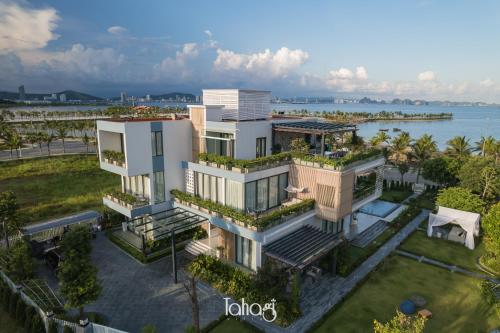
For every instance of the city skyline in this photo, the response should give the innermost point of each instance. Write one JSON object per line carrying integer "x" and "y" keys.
{"x": 419, "y": 50}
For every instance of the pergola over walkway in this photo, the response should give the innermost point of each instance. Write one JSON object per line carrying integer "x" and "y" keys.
{"x": 302, "y": 247}
{"x": 321, "y": 128}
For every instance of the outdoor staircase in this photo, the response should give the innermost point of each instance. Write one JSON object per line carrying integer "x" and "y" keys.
{"x": 196, "y": 248}
{"x": 367, "y": 236}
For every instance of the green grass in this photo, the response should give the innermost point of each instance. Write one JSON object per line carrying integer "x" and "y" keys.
{"x": 9, "y": 325}
{"x": 443, "y": 250}
{"x": 56, "y": 186}
{"x": 454, "y": 300}
{"x": 427, "y": 200}
{"x": 231, "y": 325}
{"x": 395, "y": 195}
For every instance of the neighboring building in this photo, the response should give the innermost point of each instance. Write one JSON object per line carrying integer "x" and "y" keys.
{"x": 237, "y": 126}
{"x": 148, "y": 98}
{"x": 22, "y": 93}
{"x": 123, "y": 97}
{"x": 62, "y": 97}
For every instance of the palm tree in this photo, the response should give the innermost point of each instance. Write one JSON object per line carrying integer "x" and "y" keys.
{"x": 422, "y": 150}
{"x": 400, "y": 146}
{"x": 86, "y": 141}
{"x": 40, "y": 139}
{"x": 379, "y": 138}
{"x": 486, "y": 146}
{"x": 458, "y": 147}
{"x": 13, "y": 141}
{"x": 62, "y": 132}
{"x": 48, "y": 138}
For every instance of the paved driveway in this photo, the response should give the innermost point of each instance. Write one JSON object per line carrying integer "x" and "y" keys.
{"x": 135, "y": 295}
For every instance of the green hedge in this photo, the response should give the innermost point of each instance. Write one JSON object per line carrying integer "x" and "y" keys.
{"x": 244, "y": 164}
{"x": 265, "y": 221}
{"x": 114, "y": 155}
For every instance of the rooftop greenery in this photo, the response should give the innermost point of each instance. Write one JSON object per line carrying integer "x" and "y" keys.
{"x": 262, "y": 222}
{"x": 336, "y": 163}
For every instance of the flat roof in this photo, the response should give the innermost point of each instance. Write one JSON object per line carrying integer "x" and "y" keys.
{"x": 86, "y": 216}
{"x": 302, "y": 247}
{"x": 314, "y": 127}
{"x": 125, "y": 120}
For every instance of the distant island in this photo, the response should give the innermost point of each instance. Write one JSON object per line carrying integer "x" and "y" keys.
{"x": 69, "y": 95}
{"x": 367, "y": 100}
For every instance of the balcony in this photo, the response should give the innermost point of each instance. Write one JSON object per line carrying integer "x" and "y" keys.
{"x": 258, "y": 223}
{"x": 127, "y": 204}
{"x": 114, "y": 157}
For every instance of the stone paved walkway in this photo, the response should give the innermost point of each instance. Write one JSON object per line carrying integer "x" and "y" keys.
{"x": 134, "y": 294}
{"x": 451, "y": 268}
{"x": 331, "y": 291}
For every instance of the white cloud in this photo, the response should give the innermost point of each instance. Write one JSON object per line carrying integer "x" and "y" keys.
{"x": 427, "y": 76}
{"x": 488, "y": 83}
{"x": 361, "y": 73}
{"x": 208, "y": 33}
{"x": 23, "y": 28}
{"x": 117, "y": 30}
{"x": 179, "y": 64}
{"x": 263, "y": 64}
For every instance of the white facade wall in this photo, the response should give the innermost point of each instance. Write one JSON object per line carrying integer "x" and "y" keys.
{"x": 246, "y": 138}
{"x": 239, "y": 104}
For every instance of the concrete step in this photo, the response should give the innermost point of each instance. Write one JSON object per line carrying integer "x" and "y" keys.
{"x": 367, "y": 236}
{"x": 196, "y": 248}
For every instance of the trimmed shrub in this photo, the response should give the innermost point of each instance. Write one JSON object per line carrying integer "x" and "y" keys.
{"x": 53, "y": 327}
{"x": 20, "y": 311}
{"x": 30, "y": 313}
{"x": 68, "y": 329}
{"x": 14, "y": 297}
{"x": 37, "y": 326}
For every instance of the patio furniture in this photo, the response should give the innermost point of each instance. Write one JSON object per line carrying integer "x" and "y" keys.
{"x": 418, "y": 300}
{"x": 424, "y": 313}
{"x": 407, "y": 307}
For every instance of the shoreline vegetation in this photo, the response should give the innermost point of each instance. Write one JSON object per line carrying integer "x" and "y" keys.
{"x": 363, "y": 117}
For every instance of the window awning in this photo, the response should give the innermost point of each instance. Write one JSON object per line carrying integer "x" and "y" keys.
{"x": 302, "y": 247}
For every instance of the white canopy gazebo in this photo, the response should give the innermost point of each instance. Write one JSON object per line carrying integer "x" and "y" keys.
{"x": 467, "y": 220}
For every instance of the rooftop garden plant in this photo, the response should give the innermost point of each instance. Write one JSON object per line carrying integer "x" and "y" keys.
{"x": 114, "y": 155}
{"x": 127, "y": 198}
{"x": 262, "y": 222}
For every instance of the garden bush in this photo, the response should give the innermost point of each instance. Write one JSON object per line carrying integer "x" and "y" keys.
{"x": 20, "y": 311}
{"x": 53, "y": 327}
{"x": 37, "y": 325}
{"x": 68, "y": 329}
{"x": 30, "y": 313}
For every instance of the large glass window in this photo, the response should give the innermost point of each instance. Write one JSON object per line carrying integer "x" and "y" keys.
{"x": 266, "y": 193}
{"x": 219, "y": 143}
{"x": 159, "y": 186}
{"x": 234, "y": 194}
{"x": 262, "y": 198}
{"x": 245, "y": 252}
{"x": 260, "y": 149}
{"x": 332, "y": 227}
{"x": 157, "y": 143}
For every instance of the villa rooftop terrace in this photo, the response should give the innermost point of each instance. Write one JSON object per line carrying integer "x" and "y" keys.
{"x": 144, "y": 119}
{"x": 314, "y": 127}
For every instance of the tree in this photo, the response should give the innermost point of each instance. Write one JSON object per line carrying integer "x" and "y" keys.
{"x": 48, "y": 138}
{"x": 355, "y": 142}
{"x": 8, "y": 217}
{"x": 299, "y": 146}
{"x": 400, "y": 147}
{"x": 62, "y": 132}
{"x": 403, "y": 168}
{"x": 40, "y": 139}
{"x": 401, "y": 323}
{"x": 422, "y": 150}
{"x": 460, "y": 198}
{"x": 86, "y": 141}
{"x": 13, "y": 141}
{"x": 379, "y": 138}
{"x": 491, "y": 229}
{"x": 190, "y": 286}
{"x": 458, "y": 147}
{"x": 480, "y": 175}
{"x": 149, "y": 329}
{"x": 486, "y": 146}
{"x": 20, "y": 264}
{"x": 77, "y": 276}
{"x": 442, "y": 170}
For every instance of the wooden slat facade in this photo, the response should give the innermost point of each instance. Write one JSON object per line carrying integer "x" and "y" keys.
{"x": 197, "y": 116}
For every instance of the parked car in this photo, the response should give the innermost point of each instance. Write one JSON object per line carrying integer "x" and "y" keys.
{"x": 53, "y": 258}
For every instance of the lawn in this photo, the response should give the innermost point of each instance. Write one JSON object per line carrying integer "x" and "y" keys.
{"x": 427, "y": 200}
{"x": 56, "y": 186}
{"x": 443, "y": 250}
{"x": 231, "y": 325}
{"x": 454, "y": 300}
{"x": 395, "y": 195}
{"x": 8, "y": 325}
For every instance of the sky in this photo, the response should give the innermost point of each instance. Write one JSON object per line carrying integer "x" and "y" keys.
{"x": 420, "y": 49}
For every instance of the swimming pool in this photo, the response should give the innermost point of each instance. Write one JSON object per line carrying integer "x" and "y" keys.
{"x": 379, "y": 208}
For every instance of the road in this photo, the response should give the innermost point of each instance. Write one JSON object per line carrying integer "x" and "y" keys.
{"x": 56, "y": 148}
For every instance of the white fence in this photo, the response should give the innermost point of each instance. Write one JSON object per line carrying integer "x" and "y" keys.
{"x": 90, "y": 328}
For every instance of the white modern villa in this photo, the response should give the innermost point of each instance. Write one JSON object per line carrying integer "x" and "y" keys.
{"x": 227, "y": 168}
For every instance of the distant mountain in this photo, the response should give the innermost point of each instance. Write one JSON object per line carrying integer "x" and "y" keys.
{"x": 70, "y": 95}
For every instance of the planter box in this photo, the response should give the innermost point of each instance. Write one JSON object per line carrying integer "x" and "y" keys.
{"x": 213, "y": 165}
{"x": 195, "y": 206}
{"x": 106, "y": 160}
{"x": 202, "y": 162}
{"x": 317, "y": 165}
{"x": 239, "y": 170}
{"x": 204, "y": 210}
{"x": 177, "y": 200}
{"x": 329, "y": 167}
{"x": 130, "y": 206}
{"x": 311, "y": 164}
{"x": 296, "y": 160}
